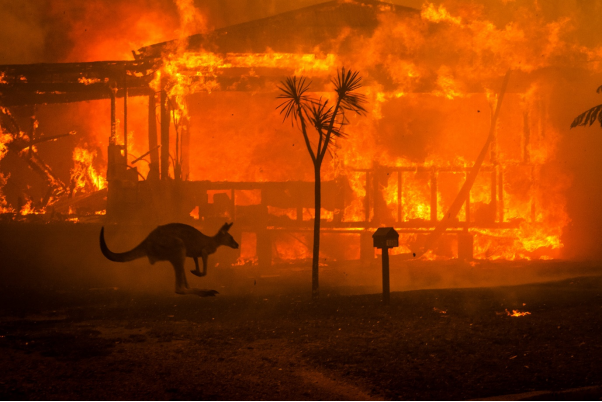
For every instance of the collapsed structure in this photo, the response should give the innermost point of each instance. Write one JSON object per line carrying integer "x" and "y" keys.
{"x": 394, "y": 169}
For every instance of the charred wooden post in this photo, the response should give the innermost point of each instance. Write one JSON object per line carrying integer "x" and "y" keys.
{"x": 152, "y": 137}
{"x": 125, "y": 116}
{"x": 113, "y": 151}
{"x": 113, "y": 92}
{"x": 164, "y": 132}
{"x": 185, "y": 149}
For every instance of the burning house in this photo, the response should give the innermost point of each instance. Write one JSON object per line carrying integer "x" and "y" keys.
{"x": 188, "y": 131}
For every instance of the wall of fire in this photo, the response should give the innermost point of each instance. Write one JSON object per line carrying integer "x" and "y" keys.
{"x": 231, "y": 157}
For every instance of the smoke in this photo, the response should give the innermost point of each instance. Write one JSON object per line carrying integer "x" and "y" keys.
{"x": 49, "y": 31}
{"x": 45, "y": 31}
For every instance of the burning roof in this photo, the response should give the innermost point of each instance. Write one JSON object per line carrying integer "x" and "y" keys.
{"x": 298, "y": 31}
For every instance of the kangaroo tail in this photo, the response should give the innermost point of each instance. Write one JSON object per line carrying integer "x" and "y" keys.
{"x": 136, "y": 252}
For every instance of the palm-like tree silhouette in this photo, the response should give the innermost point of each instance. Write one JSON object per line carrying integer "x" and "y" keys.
{"x": 328, "y": 121}
{"x": 588, "y": 117}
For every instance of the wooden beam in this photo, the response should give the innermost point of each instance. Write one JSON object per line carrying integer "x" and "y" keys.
{"x": 152, "y": 135}
{"x": 125, "y": 117}
{"x": 164, "y": 133}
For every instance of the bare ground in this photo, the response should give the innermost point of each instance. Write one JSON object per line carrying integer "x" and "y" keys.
{"x": 65, "y": 343}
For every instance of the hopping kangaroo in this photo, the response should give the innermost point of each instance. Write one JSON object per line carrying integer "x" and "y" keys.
{"x": 174, "y": 242}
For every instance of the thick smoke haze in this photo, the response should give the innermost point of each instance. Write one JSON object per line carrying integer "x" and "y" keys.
{"x": 36, "y": 31}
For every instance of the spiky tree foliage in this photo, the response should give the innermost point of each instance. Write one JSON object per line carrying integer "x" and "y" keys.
{"x": 328, "y": 121}
{"x": 588, "y": 117}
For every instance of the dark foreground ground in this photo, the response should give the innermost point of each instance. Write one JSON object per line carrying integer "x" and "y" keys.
{"x": 437, "y": 344}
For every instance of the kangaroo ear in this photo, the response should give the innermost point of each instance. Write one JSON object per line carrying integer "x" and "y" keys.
{"x": 226, "y": 227}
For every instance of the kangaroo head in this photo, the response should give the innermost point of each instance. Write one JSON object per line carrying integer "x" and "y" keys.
{"x": 224, "y": 238}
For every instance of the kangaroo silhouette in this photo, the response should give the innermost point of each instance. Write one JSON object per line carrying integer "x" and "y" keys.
{"x": 174, "y": 242}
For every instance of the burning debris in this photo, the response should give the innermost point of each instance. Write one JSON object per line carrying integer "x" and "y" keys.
{"x": 515, "y": 313}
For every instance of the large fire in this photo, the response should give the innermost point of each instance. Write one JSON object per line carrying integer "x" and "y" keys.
{"x": 432, "y": 79}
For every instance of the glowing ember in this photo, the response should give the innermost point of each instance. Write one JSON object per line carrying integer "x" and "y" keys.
{"x": 516, "y": 313}
{"x": 88, "y": 81}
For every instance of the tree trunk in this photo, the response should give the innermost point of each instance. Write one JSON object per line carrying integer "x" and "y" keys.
{"x": 315, "y": 267}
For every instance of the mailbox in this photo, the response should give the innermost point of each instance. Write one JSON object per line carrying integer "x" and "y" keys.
{"x": 386, "y": 238}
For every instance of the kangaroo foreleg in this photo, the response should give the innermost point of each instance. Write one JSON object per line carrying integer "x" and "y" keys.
{"x": 197, "y": 271}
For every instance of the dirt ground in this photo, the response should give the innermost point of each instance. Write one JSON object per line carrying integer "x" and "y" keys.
{"x": 436, "y": 344}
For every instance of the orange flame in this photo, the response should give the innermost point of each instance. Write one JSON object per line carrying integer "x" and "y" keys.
{"x": 516, "y": 313}
{"x": 84, "y": 177}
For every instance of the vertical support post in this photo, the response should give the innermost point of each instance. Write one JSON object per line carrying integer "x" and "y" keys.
{"x": 113, "y": 159}
{"x": 399, "y": 193}
{"x": 501, "y": 194}
{"x": 113, "y": 137}
{"x": 152, "y": 134}
{"x": 339, "y": 198}
{"x": 434, "y": 195}
{"x": 164, "y": 132}
{"x": 386, "y": 286}
{"x": 494, "y": 192}
{"x": 367, "y": 198}
{"x": 185, "y": 149}
{"x": 468, "y": 209}
{"x": 494, "y": 173}
{"x": 34, "y": 126}
{"x": 376, "y": 178}
{"x": 125, "y": 116}
{"x": 233, "y": 199}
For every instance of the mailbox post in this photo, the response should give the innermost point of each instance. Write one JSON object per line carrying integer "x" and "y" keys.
{"x": 386, "y": 238}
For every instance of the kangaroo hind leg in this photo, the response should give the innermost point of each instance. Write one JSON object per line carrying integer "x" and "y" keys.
{"x": 177, "y": 259}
